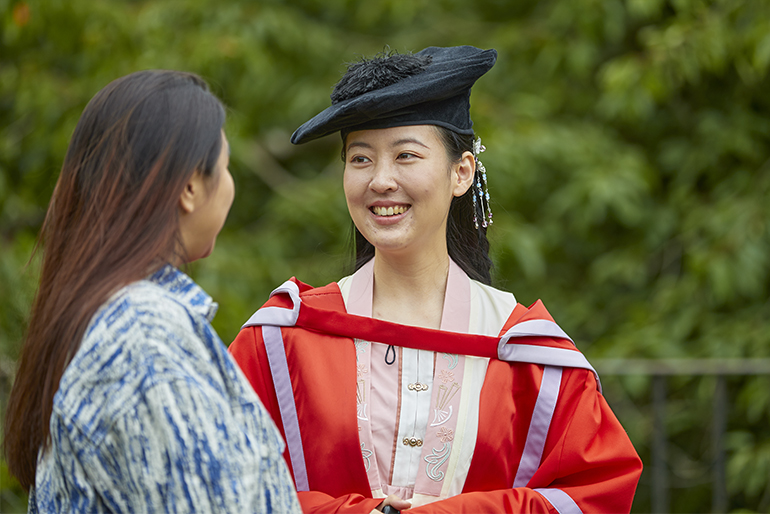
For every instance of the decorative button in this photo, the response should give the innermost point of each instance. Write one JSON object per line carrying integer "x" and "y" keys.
{"x": 418, "y": 386}
{"x": 412, "y": 441}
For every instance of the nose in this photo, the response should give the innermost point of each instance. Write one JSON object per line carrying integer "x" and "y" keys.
{"x": 383, "y": 179}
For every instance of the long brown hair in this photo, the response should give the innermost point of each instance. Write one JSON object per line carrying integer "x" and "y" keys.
{"x": 112, "y": 219}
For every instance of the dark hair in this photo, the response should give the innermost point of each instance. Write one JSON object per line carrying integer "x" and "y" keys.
{"x": 467, "y": 245}
{"x": 112, "y": 220}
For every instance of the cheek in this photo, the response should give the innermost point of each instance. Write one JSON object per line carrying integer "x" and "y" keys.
{"x": 351, "y": 187}
{"x": 434, "y": 186}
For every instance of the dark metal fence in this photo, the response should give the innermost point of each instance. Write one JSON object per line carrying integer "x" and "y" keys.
{"x": 659, "y": 370}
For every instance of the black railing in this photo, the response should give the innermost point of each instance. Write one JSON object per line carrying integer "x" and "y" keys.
{"x": 659, "y": 370}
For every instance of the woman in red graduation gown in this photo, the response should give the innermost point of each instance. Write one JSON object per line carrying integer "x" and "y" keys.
{"x": 414, "y": 384}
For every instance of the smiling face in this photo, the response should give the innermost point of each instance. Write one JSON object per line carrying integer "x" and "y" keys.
{"x": 399, "y": 184}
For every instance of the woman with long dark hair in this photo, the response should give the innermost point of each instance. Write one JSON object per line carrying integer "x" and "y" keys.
{"x": 414, "y": 383}
{"x": 125, "y": 399}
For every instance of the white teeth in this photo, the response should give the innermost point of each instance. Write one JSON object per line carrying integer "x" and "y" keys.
{"x": 389, "y": 211}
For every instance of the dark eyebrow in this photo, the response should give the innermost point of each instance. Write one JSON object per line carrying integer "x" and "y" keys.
{"x": 399, "y": 142}
{"x": 409, "y": 140}
{"x": 359, "y": 144}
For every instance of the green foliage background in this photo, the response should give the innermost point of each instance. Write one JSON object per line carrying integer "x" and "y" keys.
{"x": 627, "y": 145}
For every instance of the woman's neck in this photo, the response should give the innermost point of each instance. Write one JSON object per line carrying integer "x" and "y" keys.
{"x": 410, "y": 291}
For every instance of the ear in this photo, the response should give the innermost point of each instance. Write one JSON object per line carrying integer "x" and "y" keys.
{"x": 464, "y": 172}
{"x": 193, "y": 194}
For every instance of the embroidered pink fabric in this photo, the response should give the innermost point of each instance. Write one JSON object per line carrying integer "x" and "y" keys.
{"x": 447, "y": 387}
{"x": 382, "y": 387}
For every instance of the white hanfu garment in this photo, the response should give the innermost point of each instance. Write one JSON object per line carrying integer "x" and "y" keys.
{"x": 418, "y": 410}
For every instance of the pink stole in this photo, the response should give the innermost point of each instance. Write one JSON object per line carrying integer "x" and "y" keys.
{"x": 378, "y": 385}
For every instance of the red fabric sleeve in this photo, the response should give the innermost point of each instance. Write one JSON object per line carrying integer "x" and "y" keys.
{"x": 519, "y": 500}
{"x": 316, "y": 502}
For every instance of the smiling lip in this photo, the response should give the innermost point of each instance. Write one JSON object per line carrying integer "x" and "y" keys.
{"x": 388, "y": 214}
{"x": 388, "y": 210}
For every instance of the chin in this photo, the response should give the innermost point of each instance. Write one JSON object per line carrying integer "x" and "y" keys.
{"x": 207, "y": 252}
{"x": 202, "y": 254}
{"x": 392, "y": 247}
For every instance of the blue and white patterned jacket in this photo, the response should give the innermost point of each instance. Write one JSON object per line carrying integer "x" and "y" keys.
{"x": 153, "y": 415}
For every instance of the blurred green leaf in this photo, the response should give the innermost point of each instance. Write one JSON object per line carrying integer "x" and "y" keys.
{"x": 627, "y": 149}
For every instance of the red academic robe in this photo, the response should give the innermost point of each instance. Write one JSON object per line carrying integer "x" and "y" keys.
{"x": 588, "y": 463}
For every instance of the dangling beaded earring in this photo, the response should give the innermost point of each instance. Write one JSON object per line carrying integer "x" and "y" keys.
{"x": 481, "y": 189}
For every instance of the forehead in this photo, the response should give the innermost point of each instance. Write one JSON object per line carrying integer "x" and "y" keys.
{"x": 425, "y": 135}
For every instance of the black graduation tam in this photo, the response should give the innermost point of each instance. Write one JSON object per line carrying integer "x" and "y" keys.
{"x": 431, "y": 87}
